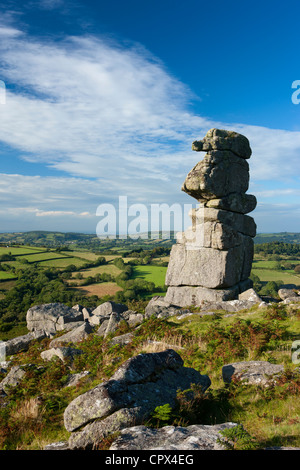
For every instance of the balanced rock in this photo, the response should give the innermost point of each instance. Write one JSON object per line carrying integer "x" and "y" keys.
{"x": 212, "y": 259}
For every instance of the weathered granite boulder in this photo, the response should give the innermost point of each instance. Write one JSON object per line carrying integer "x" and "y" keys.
{"x": 161, "y": 308}
{"x": 106, "y": 311}
{"x": 206, "y": 267}
{"x": 219, "y": 139}
{"x": 210, "y": 235}
{"x": 285, "y": 293}
{"x": 61, "y": 445}
{"x": 194, "y": 437}
{"x": 109, "y": 323}
{"x": 219, "y": 174}
{"x": 122, "y": 339}
{"x": 21, "y": 343}
{"x": 252, "y": 372}
{"x": 62, "y": 353}
{"x": 234, "y": 202}
{"x": 187, "y": 296}
{"x": 52, "y": 318}
{"x": 133, "y": 392}
{"x": 13, "y": 378}
{"x": 109, "y": 307}
{"x": 235, "y": 305}
{"x": 133, "y": 319}
{"x": 251, "y": 296}
{"x": 240, "y": 223}
{"x": 291, "y": 300}
{"x": 73, "y": 336}
{"x": 74, "y": 379}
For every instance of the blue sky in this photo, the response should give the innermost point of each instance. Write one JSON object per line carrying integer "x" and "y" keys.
{"x": 103, "y": 99}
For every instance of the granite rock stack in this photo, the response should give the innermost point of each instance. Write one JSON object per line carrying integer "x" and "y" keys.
{"x": 212, "y": 259}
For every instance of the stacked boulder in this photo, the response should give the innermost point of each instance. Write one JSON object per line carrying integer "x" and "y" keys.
{"x": 212, "y": 259}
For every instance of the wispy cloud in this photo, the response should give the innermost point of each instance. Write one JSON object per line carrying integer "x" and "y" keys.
{"x": 115, "y": 121}
{"x": 83, "y": 103}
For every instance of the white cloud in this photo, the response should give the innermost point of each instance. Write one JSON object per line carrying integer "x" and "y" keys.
{"x": 116, "y": 122}
{"x": 82, "y": 104}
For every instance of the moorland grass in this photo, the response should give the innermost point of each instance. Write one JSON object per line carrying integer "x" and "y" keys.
{"x": 270, "y": 415}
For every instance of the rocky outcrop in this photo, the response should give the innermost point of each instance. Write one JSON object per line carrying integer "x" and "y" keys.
{"x": 21, "y": 343}
{"x": 194, "y": 437}
{"x": 289, "y": 295}
{"x": 55, "y": 317}
{"x": 73, "y": 336}
{"x": 12, "y": 379}
{"x": 160, "y": 308}
{"x": 212, "y": 259}
{"x": 52, "y": 318}
{"x": 108, "y": 316}
{"x": 252, "y": 372}
{"x": 62, "y": 353}
{"x": 140, "y": 385}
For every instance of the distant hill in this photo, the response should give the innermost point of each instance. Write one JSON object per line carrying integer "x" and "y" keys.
{"x": 286, "y": 237}
{"x": 85, "y": 240}
{"x": 82, "y": 240}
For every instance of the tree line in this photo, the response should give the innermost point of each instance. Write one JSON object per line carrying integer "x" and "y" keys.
{"x": 36, "y": 286}
{"x": 278, "y": 248}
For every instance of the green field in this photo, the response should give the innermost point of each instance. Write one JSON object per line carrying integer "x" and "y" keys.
{"x": 20, "y": 250}
{"x": 62, "y": 262}
{"x": 156, "y": 274}
{"x": 287, "y": 277}
{"x": 4, "y": 275}
{"x": 266, "y": 271}
{"x": 38, "y": 257}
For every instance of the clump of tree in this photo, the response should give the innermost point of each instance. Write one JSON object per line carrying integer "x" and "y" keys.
{"x": 132, "y": 288}
{"x": 98, "y": 278}
{"x": 7, "y": 257}
{"x": 38, "y": 286}
{"x": 100, "y": 261}
{"x": 278, "y": 248}
{"x": 268, "y": 289}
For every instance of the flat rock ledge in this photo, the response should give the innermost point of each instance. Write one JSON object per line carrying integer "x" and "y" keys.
{"x": 194, "y": 437}
{"x": 252, "y": 372}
